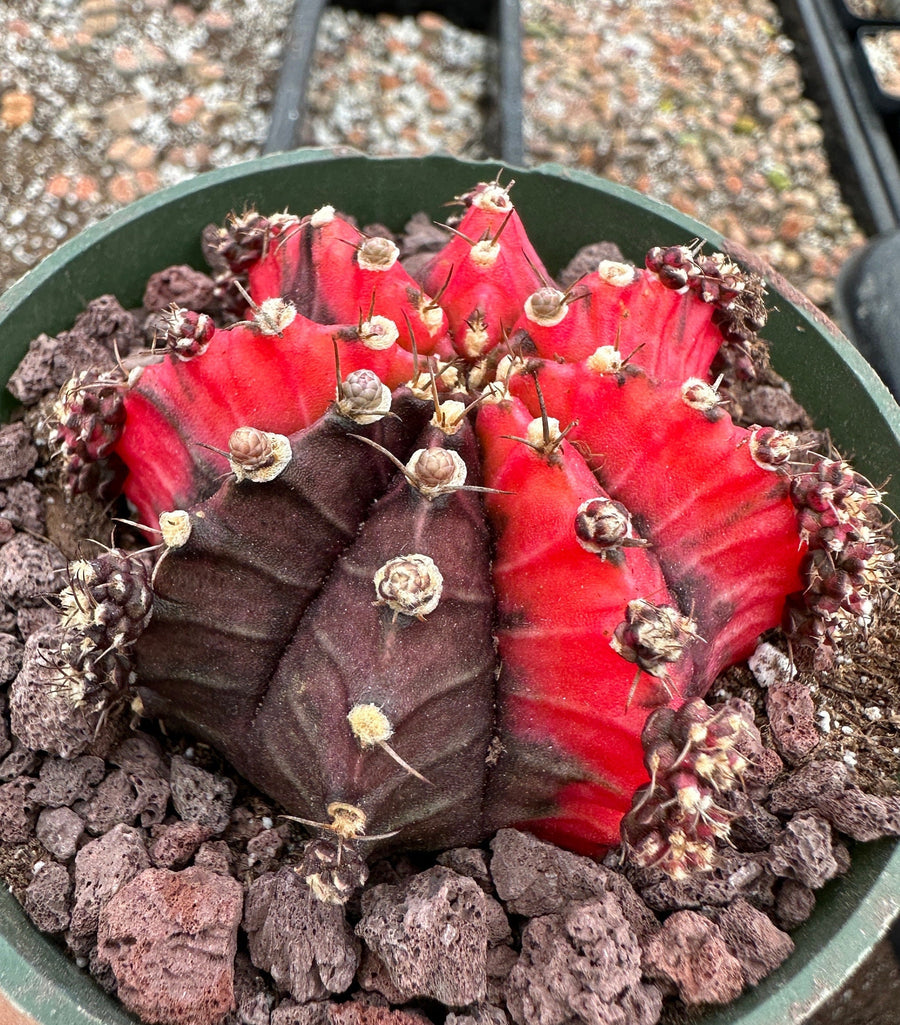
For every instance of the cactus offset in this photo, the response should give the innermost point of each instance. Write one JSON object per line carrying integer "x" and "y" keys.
{"x": 446, "y": 556}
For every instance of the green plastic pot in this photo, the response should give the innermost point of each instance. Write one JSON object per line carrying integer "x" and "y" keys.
{"x": 563, "y": 210}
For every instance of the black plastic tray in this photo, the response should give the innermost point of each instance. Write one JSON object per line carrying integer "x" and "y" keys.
{"x": 864, "y": 142}
{"x": 498, "y": 18}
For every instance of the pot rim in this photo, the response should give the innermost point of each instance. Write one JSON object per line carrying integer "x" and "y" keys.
{"x": 858, "y": 908}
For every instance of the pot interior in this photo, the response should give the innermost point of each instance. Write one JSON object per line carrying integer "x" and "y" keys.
{"x": 562, "y": 210}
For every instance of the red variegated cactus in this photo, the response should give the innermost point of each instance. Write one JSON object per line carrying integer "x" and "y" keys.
{"x": 446, "y": 555}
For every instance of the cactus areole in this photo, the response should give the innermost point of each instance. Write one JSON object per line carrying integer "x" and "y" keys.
{"x": 432, "y": 557}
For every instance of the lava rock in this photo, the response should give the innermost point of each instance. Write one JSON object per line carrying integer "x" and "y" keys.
{"x": 11, "y": 649}
{"x": 59, "y": 830}
{"x": 431, "y": 935}
{"x": 21, "y": 761}
{"x": 536, "y": 878}
{"x": 171, "y": 939}
{"x": 754, "y": 940}
{"x": 48, "y": 898}
{"x": 251, "y": 993}
{"x": 43, "y": 714}
{"x": 303, "y": 943}
{"x": 17, "y": 813}
{"x": 181, "y": 285}
{"x": 581, "y": 966}
{"x": 112, "y": 803}
{"x": 107, "y": 323}
{"x": 690, "y": 952}
{"x": 764, "y": 765}
{"x": 471, "y": 862}
{"x": 17, "y": 452}
{"x": 774, "y": 407}
{"x": 753, "y": 828}
{"x": 355, "y": 1012}
{"x": 102, "y": 868}
{"x": 792, "y": 717}
{"x": 6, "y": 741}
{"x": 62, "y": 781}
{"x": 22, "y": 505}
{"x": 859, "y": 815}
{"x": 141, "y": 760}
{"x": 804, "y": 851}
{"x": 201, "y": 796}
{"x": 91, "y": 343}
{"x": 586, "y": 260}
{"x": 806, "y": 786}
{"x": 30, "y": 569}
{"x": 735, "y": 875}
{"x": 264, "y": 848}
{"x": 289, "y": 1012}
{"x": 214, "y": 855}
{"x": 35, "y": 376}
{"x": 177, "y": 843}
{"x": 794, "y": 903}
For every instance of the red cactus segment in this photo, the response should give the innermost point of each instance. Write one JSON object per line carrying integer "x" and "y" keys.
{"x": 672, "y": 335}
{"x": 565, "y": 689}
{"x": 276, "y": 383}
{"x": 334, "y": 274}
{"x": 723, "y": 527}
{"x": 399, "y": 641}
{"x": 485, "y": 272}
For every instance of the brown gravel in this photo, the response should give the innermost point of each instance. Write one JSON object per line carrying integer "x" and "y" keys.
{"x": 697, "y": 103}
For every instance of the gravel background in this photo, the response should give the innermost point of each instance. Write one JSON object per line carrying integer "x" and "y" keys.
{"x": 695, "y": 102}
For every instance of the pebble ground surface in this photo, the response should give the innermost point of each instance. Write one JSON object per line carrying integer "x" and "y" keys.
{"x": 695, "y": 102}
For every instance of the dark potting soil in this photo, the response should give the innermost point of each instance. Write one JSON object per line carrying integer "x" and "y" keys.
{"x": 173, "y": 882}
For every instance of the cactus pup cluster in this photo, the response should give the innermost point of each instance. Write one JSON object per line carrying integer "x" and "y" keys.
{"x": 432, "y": 556}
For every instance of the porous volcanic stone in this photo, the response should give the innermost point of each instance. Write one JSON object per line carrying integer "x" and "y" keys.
{"x": 17, "y": 812}
{"x": 182, "y": 285}
{"x": 171, "y": 939}
{"x": 11, "y": 649}
{"x": 177, "y": 843}
{"x": 804, "y": 851}
{"x": 792, "y": 717}
{"x": 43, "y": 714}
{"x": 431, "y": 935}
{"x": 861, "y": 816}
{"x": 691, "y": 952}
{"x": 62, "y": 781}
{"x": 303, "y": 943}
{"x": 48, "y": 897}
{"x": 201, "y": 796}
{"x": 794, "y": 903}
{"x": 141, "y": 760}
{"x": 581, "y": 966}
{"x": 59, "y": 830}
{"x": 22, "y": 505}
{"x": 535, "y": 878}
{"x": 17, "y": 452}
{"x": 808, "y": 785}
{"x": 102, "y": 868}
{"x": 30, "y": 569}
{"x": 751, "y": 936}
{"x": 111, "y": 803}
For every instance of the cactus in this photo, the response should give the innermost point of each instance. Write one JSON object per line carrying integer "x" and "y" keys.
{"x": 433, "y": 558}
